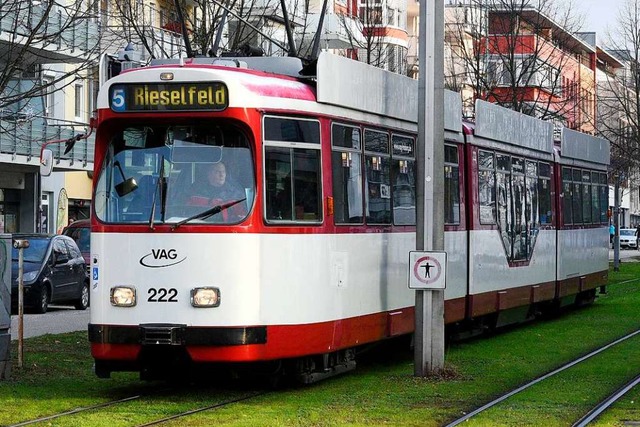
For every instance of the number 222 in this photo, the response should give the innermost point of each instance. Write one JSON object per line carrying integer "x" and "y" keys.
{"x": 162, "y": 295}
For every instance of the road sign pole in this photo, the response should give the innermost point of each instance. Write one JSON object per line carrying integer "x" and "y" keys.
{"x": 429, "y": 309}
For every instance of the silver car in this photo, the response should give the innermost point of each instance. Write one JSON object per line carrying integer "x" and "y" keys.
{"x": 628, "y": 238}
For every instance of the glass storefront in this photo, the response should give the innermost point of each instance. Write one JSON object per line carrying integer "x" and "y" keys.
{"x": 9, "y": 211}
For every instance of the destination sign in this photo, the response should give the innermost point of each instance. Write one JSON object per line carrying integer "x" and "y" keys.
{"x": 210, "y": 96}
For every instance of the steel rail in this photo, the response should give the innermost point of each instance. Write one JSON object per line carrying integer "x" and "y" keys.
{"x": 204, "y": 408}
{"x": 602, "y": 406}
{"x": 77, "y": 410}
{"x": 542, "y": 378}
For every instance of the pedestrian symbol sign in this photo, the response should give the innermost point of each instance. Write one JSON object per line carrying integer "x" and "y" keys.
{"x": 427, "y": 270}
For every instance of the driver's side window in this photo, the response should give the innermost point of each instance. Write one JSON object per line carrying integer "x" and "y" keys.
{"x": 60, "y": 253}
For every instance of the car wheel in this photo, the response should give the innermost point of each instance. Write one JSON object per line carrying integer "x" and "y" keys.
{"x": 43, "y": 300}
{"x": 83, "y": 302}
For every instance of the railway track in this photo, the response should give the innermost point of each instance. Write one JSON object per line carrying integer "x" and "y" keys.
{"x": 587, "y": 418}
{"x": 202, "y": 409}
{"x": 603, "y": 405}
{"x": 77, "y": 411}
{"x": 122, "y": 401}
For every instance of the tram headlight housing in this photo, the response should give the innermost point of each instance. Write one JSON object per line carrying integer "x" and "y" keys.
{"x": 123, "y": 296}
{"x": 205, "y": 297}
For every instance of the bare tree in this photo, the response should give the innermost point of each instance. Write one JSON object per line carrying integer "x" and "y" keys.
{"x": 370, "y": 44}
{"x": 619, "y": 98}
{"x": 36, "y": 38}
{"x": 213, "y": 27}
{"x": 619, "y": 94}
{"x": 520, "y": 54}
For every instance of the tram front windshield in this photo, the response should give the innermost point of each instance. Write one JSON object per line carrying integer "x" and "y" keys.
{"x": 196, "y": 174}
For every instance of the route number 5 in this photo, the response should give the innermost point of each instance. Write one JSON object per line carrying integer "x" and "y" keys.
{"x": 117, "y": 100}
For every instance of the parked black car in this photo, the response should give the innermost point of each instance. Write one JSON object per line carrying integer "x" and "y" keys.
{"x": 80, "y": 232}
{"x": 54, "y": 271}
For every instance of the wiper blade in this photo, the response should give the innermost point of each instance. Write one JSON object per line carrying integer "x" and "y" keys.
{"x": 155, "y": 194}
{"x": 209, "y": 212}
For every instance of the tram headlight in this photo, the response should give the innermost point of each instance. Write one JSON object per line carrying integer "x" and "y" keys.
{"x": 205, "y": 297}
{"x": 123, "y": 296}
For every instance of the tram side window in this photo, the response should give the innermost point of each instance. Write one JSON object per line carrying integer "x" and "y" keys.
{"x": 566, "y": 196}
{"x": 544, "y": 193}
{"x": 451, "y": 185}
{"x": 576, "y": 200}
{"x": 346, "y": 159}
{"x": 532, "y": 198}
{"x": 504, "y": 201}
{"x": 522, "y": 199}
{"x": 520, "y": 233}
{"x": 595, "y": 197}
{"x": 292, "y": 174}
{"x": 404, "y": 180}
{"x": 586, "y": 196}
{"x": 487, "y": 187}
{"x": 604, "y": 198}
{"x": 378, "y": 180}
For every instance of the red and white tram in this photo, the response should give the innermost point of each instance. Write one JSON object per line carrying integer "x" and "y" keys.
{"x": 303, "y": 257}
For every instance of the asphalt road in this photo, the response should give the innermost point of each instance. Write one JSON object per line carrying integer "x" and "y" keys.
{"x": 59, "y": 319}
{"x": 626, "y": 254}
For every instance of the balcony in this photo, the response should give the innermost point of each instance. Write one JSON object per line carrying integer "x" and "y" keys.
{"x": 21, "y": 140}
{"x": 48, "y": 38}
{"x": 338, "y": 31}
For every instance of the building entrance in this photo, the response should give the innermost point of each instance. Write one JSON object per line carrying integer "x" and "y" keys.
{"x": 9, "y": 211}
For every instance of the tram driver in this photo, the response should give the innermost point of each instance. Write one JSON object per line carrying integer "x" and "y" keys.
{"x": 217, "y": 189}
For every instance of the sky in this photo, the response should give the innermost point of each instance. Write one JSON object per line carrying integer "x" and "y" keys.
{"x": 599, "y": 14}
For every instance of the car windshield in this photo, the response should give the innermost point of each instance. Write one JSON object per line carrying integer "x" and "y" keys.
{"x": 35, "y": 252}
{"x": 166, "y": 173}
{"x": 627, "y": 232}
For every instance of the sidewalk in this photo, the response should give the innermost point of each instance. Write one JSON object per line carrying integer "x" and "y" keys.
{"x": 626, "y": 255}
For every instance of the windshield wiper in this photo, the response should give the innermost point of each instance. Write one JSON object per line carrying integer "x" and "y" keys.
{"x": 155, "y": 194}
{"x": 209, "y": 212}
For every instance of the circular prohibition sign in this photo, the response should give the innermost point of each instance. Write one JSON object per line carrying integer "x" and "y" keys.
{"x": 429, "y": 277}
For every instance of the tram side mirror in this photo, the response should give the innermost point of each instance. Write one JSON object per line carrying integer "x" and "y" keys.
{"x": 127, "y": 185}
{"x": 46, "y": 162}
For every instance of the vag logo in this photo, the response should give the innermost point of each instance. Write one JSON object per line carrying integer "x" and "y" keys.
{"x": 161, "y": 258}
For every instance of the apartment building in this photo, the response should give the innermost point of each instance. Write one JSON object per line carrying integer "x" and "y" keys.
{"x": 45, "y": 58}
{"x": 616, "y": 104}
{"x": 522, "y": 59}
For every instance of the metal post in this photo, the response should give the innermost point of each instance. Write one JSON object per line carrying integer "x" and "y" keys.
{"x": 429, "y": 309}
{"x": 39, "y": 206}
{"x": 21, "y": 245}
{"x": 20, "y": 307}
{"x": 616, "y": 224}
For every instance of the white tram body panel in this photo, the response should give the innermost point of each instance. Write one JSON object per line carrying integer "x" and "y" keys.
{"x": 264, "y": 279}
{"x": 489, "y": 270}
{"x": 584, "y": 252}
{"x": 456, "y": 247}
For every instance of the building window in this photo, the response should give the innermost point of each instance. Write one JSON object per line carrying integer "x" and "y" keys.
{"x": 48, "y": 98}
{"x": 78, "y": 101}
